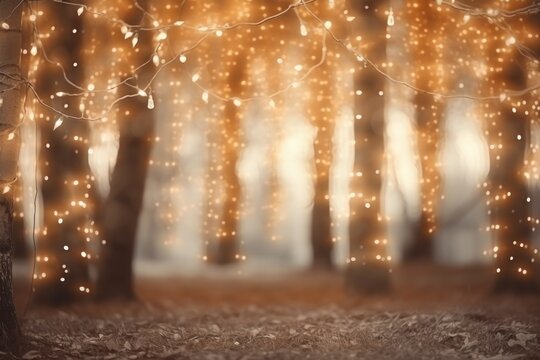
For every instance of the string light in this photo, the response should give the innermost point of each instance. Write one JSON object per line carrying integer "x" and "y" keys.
{"x": 313, "y": 29}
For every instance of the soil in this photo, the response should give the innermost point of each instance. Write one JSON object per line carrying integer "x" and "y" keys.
{"x": 431, "y": 313}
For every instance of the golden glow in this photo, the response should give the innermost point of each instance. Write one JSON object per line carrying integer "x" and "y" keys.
{"x": 286, "y": 51}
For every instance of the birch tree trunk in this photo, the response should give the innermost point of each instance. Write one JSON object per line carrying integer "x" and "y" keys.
{"x": 11, "y": 94}
{"x": 368, "y": 269}
{"x": 120, "y": 211}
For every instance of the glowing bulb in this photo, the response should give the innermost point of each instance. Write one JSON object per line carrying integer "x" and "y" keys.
{"x": 155, "y": 60}
{"x": 303, "y": 30}
{"x": 195, "y": 77}
{"x": 205, "y": 97}
{"x": 182, "y": 58}
{"x": 134, "y": 41}
{"x": 510, "y": 41}
{"x": 328, "y": 24}
{"x": 5, "y": 26}
{"x": 390, "y": 21}
{"x": 33, "y": 50}
{"x": 150, "y": 103}
{"x": 237, "y": 102}
{"x": 141, "y": 92}
{"x": 161, "y": 36}
{"x": 58, "y": 123}
{"x": 80, "y": 11}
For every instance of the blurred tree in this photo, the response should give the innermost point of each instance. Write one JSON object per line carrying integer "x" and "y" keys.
{"x": 19, "y": 222}
{"x": 61, "y": 272}
{"x": 19, "y": 230}
{"x": 368, "y": 269}
{"x": 119, "y": 213}
{"x": 427, "y": 30}
{"x": 323, "y": 112}
{"x": 322, "y": 115}
{"x": 509, "y": 127}
{"x": 225, "y": 249}
{"x": 11, "y": 95}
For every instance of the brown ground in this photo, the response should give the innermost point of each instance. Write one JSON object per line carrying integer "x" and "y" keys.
{"x": 432, "y": 313}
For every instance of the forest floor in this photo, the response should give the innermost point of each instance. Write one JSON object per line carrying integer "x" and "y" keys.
{"x": 431, "y": 314}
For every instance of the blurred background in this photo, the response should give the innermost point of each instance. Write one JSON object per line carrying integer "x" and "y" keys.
{"x": 274, "y": 136}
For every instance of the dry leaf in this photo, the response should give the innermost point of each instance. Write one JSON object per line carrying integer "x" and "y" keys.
{"x": 521, "y": 339}
{"x": 32, "y": 354}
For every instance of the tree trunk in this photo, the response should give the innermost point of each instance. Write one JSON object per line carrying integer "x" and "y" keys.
{"x": 425, "y": 21}
{"x": 428, "y": 115}
{"x": 61, "y": 270}
{"x": 11, "y": 95}
{"x": 9, "y": 325}
{"x": 121, "y": 209}
{"x": 322, "y": 113}
{"x": 368, "y": 269}
{"x": 21, "y": 250}
{"x": 225, "y": 249}
{"x": 509, "y": 195}
{"x": 321, "y": 232}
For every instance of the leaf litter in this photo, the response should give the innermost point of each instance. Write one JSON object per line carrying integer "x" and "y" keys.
{"x": 254, "y": 323}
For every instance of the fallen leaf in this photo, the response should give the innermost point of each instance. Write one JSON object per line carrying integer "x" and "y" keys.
{"x": 467, "y": 344}
{"x": 32, "y": 354}
{"x": 525, "y": 336}
{"x": 112, "y": 345}
{"x": 214, "y": 328}
{"x": 521, "y": 339}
